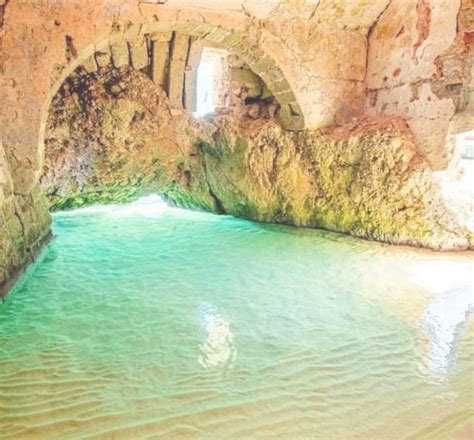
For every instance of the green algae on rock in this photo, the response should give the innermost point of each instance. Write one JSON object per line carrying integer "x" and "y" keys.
{"x": 367, "y": 178}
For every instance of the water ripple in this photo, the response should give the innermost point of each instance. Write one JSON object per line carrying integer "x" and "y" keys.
{"x": 143, "y": 321}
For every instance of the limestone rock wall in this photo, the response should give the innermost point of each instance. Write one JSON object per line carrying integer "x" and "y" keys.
{"x": 24, "y": 216}
{"x": 24, "y": 226}
{"x": 419, "y": 67}
{"x": 113, "y": 135}
{"x": 115, "y": 130}
{"x": 365, "y": 179}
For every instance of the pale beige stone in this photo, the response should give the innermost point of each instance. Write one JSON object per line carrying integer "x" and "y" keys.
{"x": 160, "y": 62}
{"x": 120, "y": 54}
{"x": 161, "y": 37}
{"x": 90, "y": 65}
{"x": 139, "y": 53}
{"x": 289, "y": 120}
{"x": 249, "y": 80}
{"x": 102, "y": 58}
{"x": 179, "y": 53}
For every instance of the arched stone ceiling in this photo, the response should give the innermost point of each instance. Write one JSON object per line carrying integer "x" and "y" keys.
{"x": 179, "y": 44}
{"x": 171, "y": 52}
{"x": 319, "y": 46}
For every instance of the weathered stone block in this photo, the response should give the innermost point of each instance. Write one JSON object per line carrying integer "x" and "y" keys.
{"x": 90, "y": 65}
{"x": 266, "y": 92}
{"x": 192, "y": 28}
{"x": 272, "y": 76}
{"x": 102, "y": 58}
{"x": 196, "y": 46}
{"x": 120, "y": 54}
{"x": 138, "y": 53}
{"x": 179, "y": 55}
{"x": 295, "y": 109}
{"x": 231, "y": 40}
{"x": 161, "y": 37}
{"x": 248, "y": 79}
{"x": 289, "y": 120}
{"x": 285, "y": 97}
{"x": 278, "y": 86}
{"x": 218, "y": 34}
{"x": 160, "y": 62}
{"x": 25, "y": 228}
{"x": 201, "y": 30}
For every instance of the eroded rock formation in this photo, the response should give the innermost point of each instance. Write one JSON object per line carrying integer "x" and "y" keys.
{"x": 113, "y": 135}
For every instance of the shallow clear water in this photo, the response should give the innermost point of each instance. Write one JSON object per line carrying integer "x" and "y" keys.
{"x": 143, "y": 321}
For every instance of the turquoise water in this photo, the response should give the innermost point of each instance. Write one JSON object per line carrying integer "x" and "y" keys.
{"x": 143, "y": 321}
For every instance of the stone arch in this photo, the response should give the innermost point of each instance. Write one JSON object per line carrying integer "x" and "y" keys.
{"x": 148, "y": 46}
{"x": 36, "y": 60}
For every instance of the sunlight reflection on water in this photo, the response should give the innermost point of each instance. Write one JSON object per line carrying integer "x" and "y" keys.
{"x": 442, "y": 322}
{"x": 218, "y": 349}
{"x": 446, "y": 312}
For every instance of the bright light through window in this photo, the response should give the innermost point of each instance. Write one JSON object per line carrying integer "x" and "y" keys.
{"x": 205, "y": 89}
{"x": 212, "y": 81}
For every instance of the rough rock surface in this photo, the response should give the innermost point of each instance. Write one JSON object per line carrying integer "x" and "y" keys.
{"x": 112, "y": 135}
{"x": 24, "y": 226}
{"x": 419, "y": 64}
{"x": 24, "y": 216}
{"x": 365, "y": 179}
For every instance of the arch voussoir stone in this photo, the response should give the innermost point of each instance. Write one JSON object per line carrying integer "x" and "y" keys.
{"x": 138, "y": 53}
{"x": 120, "y": 53}
{"x": 179, "y": 55}
{"x": 90, "y": 65}
{"x": 102, "y": 58}
{"x": 160, "y": 50}
{"x": 291, "y": 115}
{"x": 218, "y": 35}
